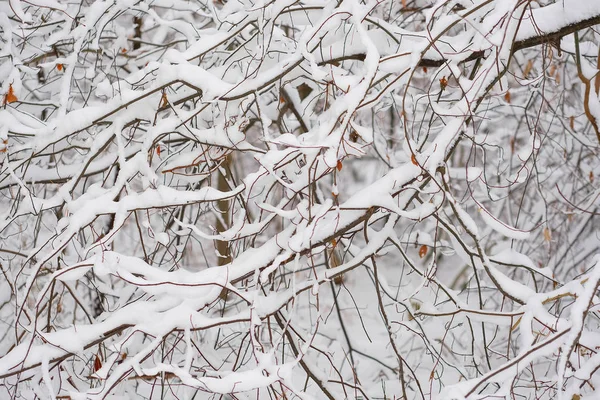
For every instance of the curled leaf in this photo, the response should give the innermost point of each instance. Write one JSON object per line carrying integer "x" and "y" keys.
{"x": 422, "y": 251}
{"x": 547, "y": 234}
{"x": 97, "y": 363}
{"x": 515, "y": 325}
{"x": 528, "y": 68}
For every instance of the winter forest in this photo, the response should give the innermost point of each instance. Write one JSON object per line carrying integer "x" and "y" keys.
{"x": 300, "y": 199}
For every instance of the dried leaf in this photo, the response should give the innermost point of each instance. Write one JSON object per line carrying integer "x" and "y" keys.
{"x": 443, "y": 82}
{"x": 572, "y": 122}
{"x": 10, "y": 96}
{"x": 547, "y": 234}
{"x": 507, "y": 97}
{"x": 158, "y": 150}
{"x": 164, "y": 100}
{"x": 516, "y": 324}
{"x": 413, "y": 159}
{"x": 59, "y": 67}
{"x": 339, "y": 165}
{"x": 303, "y": 90}
{"x": 591, "y": 176}
{"x": 97, "y": 363}
{"x": 422, "y": 251}
{"x": 528, "y": 68}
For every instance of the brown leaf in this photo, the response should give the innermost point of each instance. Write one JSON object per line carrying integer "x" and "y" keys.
{"x": 591, "y": 176}
{"x": 413, "y": 159}
{"x": 515, "y": 325}
{"x": 547, "y": 235}
{"x": 422, "y": 251}
{"x": 528, "y": 68}
{"x": 443, "y": 82}
{"x": 59, "y": 67}
{"x": 507, "y": 97}
{"x": 97, "y": 363}
{"x": 303, "y": 90}
{"x": 339, "y": 165}
{"x": 572, "y": 122}
{"x": 10, "y": 96}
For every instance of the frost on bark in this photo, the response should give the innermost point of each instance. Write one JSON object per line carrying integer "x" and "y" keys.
{"x": 299, "y": 199}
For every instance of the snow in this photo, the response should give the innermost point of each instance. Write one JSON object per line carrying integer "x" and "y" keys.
{"x": 301, "y": 119}
{"x": 501, "y": 227}
{"x": 553, "y": 17}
